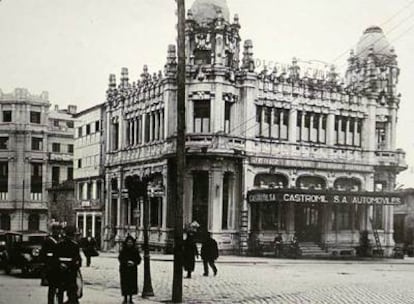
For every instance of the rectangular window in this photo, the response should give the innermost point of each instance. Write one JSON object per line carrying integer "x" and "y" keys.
{"x": 201, "y": 116}
{"x": 80, "y": 132}
{"x": 36, "y": 144}
{"x": 56, "y": 123}
{"x": 69, "y": 124}
{"x": 88, "y": 129}
{"x": 70, "y": 148}
{"x": 4, "y": 140}
{"x": 35, "y": 117}
{"x": 79, "y": 163}
{"x": 155, "y": 211}
{"x": 4, "y": 177}
{"x": 115, "y": 132}
{"x": 227, "y": 112}
{"x": 88, "y": 191}
{"x": 36, "y": 178}
{"x": 343, "y": 216}
{"x": 97, "y": 126}
{"x": 259, "y": 110}
{"x": 55, "y": 176}
{"x": 7, "y": 116}
{"x": 299, "y": 126}
{"x": 56, "y": 147}
{"x": 70, "y": 173}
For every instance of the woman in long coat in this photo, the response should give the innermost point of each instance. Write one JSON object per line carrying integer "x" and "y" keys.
{"x": 129, "y": 259}
{"x": 190, "y": 252}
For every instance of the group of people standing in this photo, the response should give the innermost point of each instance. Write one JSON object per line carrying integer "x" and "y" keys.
{"x": 209, "y": 254}
{"x": 61, "y": 255}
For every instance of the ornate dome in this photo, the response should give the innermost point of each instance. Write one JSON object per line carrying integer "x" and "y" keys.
{"x": 205, "y": 11}
{"x": 373, "y": 37}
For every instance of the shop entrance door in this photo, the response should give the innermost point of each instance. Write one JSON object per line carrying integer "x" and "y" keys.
{"x": 308, "y": 220}
{"x": 200, "y": 202}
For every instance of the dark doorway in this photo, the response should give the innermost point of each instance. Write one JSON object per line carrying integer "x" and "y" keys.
{"x": 200, "y": 199}
{"x": 308, "y": 219}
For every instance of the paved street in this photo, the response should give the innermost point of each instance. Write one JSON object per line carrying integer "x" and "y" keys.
{"x": 243, "y": 280}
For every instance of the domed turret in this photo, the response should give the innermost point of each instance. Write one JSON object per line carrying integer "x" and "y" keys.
{"x": 374, "y": 38}
{"x": 205, "y": 11}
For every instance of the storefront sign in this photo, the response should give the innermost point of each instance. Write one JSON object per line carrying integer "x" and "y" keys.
{"x": 323, "y": 197}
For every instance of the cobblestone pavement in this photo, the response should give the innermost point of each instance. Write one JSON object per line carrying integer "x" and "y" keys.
{"x": 243, "y": 280}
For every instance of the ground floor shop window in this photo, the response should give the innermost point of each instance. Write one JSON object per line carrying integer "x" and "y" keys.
{"x": 378, "y": 218}
{"x": 5, "y": 222}
{"x": 156, "y": 211}
{"x": 343, "y": 217}
{"x": 269, "y": 216}
{"x": 34, "y": 222}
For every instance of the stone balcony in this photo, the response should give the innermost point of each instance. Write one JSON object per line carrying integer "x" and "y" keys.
{"x": 391, "y": 159}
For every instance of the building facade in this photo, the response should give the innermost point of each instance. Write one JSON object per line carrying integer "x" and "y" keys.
{"x": 30, "y": 137}
{"x": 272, "y": 151}
{"x": 89, "y": 171}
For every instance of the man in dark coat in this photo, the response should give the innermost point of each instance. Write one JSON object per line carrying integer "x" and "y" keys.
{"x": 190, "y": 253}
{"x": 51, "y": 268}
{"x": 89, "y": 249}
{"x": 70, "y": 261}
{"x": 129, "y": 259}
{"x": 209, "y": 253}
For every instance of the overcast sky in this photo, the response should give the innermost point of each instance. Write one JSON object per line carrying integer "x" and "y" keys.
{"x": 69, "y": 47}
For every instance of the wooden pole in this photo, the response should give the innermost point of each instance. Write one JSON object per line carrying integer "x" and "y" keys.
{"x": 177, "y": 292}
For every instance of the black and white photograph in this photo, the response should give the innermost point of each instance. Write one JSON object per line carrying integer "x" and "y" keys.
{"x": 206, "y": 151}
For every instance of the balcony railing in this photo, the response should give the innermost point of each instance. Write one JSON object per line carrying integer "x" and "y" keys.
{"x": 36, "y": 196}
{"x": 4, "y": 196}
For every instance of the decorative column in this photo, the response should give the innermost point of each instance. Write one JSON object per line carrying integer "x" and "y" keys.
{"x": 321, "y": 136}
{"x": 312, "y": 117}
{"x": 347, "y": 132}
{"x": 151, "y": 126}
{"x": 84, "y": 224}
{"x": 292, "y": 125}
{"x": 302, "y": 124}
{"x": 330, "y": 129}
{"x": 157, "y": 125}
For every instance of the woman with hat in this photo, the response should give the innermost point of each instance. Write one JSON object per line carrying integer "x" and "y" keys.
{"x": 129, "y": 259}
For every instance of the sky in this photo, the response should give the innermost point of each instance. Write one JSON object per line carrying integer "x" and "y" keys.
{"x": 69, "y": 47}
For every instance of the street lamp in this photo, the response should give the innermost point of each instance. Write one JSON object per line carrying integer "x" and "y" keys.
{"x": 147, "y": 290}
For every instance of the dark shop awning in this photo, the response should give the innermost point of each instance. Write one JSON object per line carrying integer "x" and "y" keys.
{"x": 323, "y": 197}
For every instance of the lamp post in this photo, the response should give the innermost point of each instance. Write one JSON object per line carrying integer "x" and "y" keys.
{"x": 147, "y": 290}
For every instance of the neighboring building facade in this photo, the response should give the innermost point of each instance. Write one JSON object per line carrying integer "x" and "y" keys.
{"x": 267, "y": 152}
{"x": 89, "y": 178}
{"x": 404, "y": 219}
{"x": 30, "y": 135}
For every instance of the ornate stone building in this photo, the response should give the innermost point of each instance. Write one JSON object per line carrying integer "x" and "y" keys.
{"x": 36, "y": 146}
{"x": 285, "y": 150}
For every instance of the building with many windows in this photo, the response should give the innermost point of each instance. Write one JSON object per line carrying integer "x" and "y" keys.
{"x": 287, "y": 150}
{"x": 36, "y": 147}
{"x": 89, "y": 171}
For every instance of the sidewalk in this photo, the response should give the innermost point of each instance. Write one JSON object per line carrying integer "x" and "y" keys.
{"x": 234, "y": 259}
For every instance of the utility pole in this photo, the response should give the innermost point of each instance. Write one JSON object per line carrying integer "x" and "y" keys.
{"x": 177, "y": 292}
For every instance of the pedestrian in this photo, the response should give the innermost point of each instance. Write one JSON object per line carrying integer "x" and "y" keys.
{"x": 68, "y": 254}
{"x": 51, "y": 265}
{"x": 209, "y": 253}
{"x": 89, "y": 249}
{"x": 129, "y": 259}
{"x": 278, "y": 242}
{"x": 190, "y": 253}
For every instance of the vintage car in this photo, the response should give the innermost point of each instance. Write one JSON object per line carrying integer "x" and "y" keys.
{"x": 23, "y": 251}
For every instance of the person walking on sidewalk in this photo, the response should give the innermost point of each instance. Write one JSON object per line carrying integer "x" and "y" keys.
{"x": 209, "y": 253}
{"x": 190, "y": 253}
{"x": 89, "y": 249}
{"x": 129, "y": 259}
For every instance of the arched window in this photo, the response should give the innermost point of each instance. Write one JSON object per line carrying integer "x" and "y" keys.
{"x": 268, "y": 180}
{"x": 347, "y": 184}
{"x": 5, "y": 222}
{"x": 34, "y": 222}
{"x": 311, "y": 182}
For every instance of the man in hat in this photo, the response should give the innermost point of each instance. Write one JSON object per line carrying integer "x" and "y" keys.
{"x": 69, "y": 263}
{"x": 48, "y": 256}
